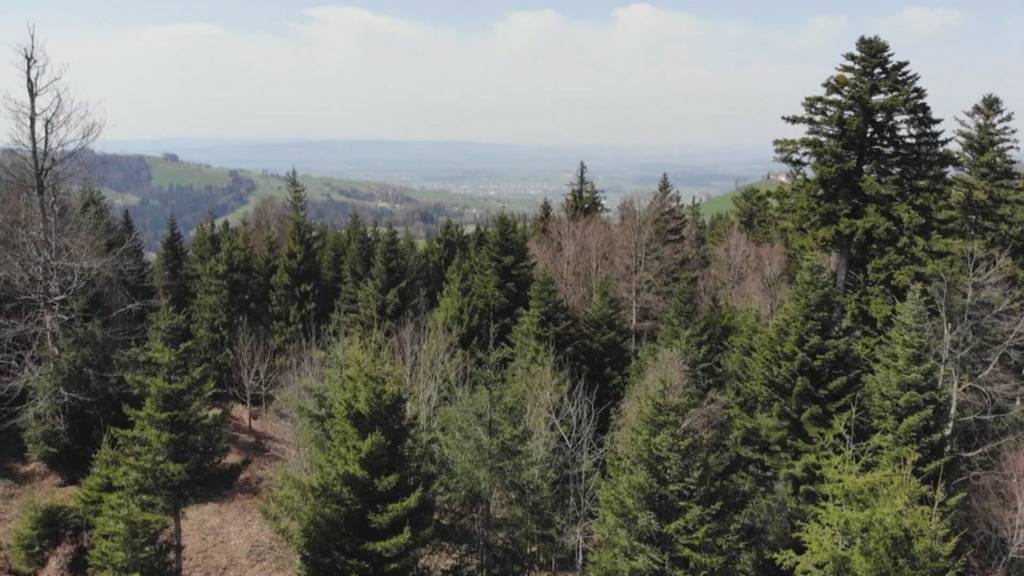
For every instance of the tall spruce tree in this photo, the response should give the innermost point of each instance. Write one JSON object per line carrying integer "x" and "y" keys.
{"x": 602, "y": 351}
{"x": 902, "y": 399}
{"x": 583, "y": 198}
{"x": 665, "y": 504}
{"x": 171, "y": 270}
{"x": 547, "y": 325}
{"x": 870, "y": 169}
{"x": 297, "y": 278}
{"x": 173, "y": 445}
{"x": 383, "y": 297}
{"x": 211, "y": 309}
{"x": 987, "y": 196}
{"x": 363, "y": 507}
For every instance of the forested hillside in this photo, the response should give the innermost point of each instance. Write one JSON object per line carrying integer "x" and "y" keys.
{"x": 824, "y": 380}
{"x": 152, "y": 188}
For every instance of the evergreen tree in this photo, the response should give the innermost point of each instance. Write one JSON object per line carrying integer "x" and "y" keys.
{"x": 800, "y": 377}
{"x": 902, "y": 400}
{"x": 331, "y": 273}
{"x": 494, "y": 485}
{"x": 583, "y": 198}
{"x": 547, "y": 325}
{"x": 135, "y": 269}
{"x": 542, "y": 221}
{"x": 363, "y": 508}
{"x": 870, "y": 169}
{"x": 383, "y": 297}
{"x": 297, "y": 279}
{"x": 603, "y": 349}
{"x": 172, "y": 281}
{"x": 173, "y": 445}
{"x": 506, "y": 246}
{"x": 211, "y": 310}
{"x": 987, "y": 200}
{"x": 356, "y": 262}
{"x": 755, "y": 212}
{"x": 665, "y": 504}
{"x": 878, "y": 521}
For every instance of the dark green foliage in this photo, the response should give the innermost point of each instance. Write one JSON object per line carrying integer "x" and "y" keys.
{"x": 802, "y": 373}
{"x": 665, "y": 506}
{"x": 488, "y": 286}
{"x": 172, "y": 282}
{"x": 363, "y": 508}
{"x": 297, "y": 278}
{"x": 871, "y": 167}
{"x": 541, "y": 223}
{"x": 211, "y": 316}
{"x": 355, "y": 267}
{"x": 80, "y": 397}
{"x": 902, "y": 400}
{"x": 494, "y": 480}
{"x": 987, "y": 197}
{"x": 875, "y": 521}
{"x": 583, "y": 198}
{"x": 384, "y": 296}
{"x": 547, "y": 325}
{"x": 755, "y": 212}
{"x": 39, "y": 529}
{"x": 603, "y": 349}
{"x": 151, "y": 469}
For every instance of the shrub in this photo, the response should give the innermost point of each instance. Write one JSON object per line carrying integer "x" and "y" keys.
{"x": 39, "y": 530}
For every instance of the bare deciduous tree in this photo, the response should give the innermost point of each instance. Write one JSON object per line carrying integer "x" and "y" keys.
{"x": 747, "y": 274}
{"x": 579, "y": 457}
{"x": 997, "y": 503}
{"x": 982, "y": 314}
{"x": 431, "y": 364}
{"x": 253, "y": 356}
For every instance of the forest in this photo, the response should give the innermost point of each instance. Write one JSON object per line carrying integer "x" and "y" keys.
{"x": 826, "y": 380}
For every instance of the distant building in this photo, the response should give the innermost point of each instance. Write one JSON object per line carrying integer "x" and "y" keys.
{"x": 784, "y": 177}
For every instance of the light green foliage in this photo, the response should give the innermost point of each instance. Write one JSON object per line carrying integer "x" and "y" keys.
{"x": 877, "y": 521}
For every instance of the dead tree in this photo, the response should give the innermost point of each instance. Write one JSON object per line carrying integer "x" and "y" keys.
{"x": 982, "y": 314}
{"x": 253, "y": 356}
{"x": 579, "y": 454}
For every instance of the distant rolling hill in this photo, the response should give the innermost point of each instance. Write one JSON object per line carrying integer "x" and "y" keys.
{"x": 152, "y": 188}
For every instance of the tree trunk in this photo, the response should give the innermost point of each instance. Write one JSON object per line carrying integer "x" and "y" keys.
{"x": 842, "y": 268}
{"x": 177, "y": 537}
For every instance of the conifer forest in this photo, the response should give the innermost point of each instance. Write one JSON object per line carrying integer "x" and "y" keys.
{"x": 824, "y": 380}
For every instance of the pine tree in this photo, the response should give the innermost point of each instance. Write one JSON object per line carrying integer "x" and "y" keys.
{"x": 172, "y": 281}
{"x": 665, "y": 503}
{"x": 297, "y": 279}
{"x": 902, "y": 400}
{"x": 583, "y": 198}
{"x": 363, "y": 509}
{"x": 755, "y": 212}
{"x": 135, "y": 269}
{"x": 987, "y": 199}
{"x": 870, "y": 169}
{"x": 506, "y": 246}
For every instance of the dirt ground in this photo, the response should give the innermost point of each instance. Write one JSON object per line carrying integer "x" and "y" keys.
{"x": 225, "y": 535}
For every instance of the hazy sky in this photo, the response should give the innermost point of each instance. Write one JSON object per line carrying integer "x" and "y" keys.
{"x": 596, "y": 72}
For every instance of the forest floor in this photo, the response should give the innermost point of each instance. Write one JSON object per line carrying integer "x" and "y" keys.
{"x": 225, "y": 535}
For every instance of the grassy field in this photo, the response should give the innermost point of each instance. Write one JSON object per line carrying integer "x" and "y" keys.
{"x": 723, "y": 203}
{"x": 166, "y": 173}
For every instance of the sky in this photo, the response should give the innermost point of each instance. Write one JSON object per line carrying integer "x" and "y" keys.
{"x": 664, "y": 74}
